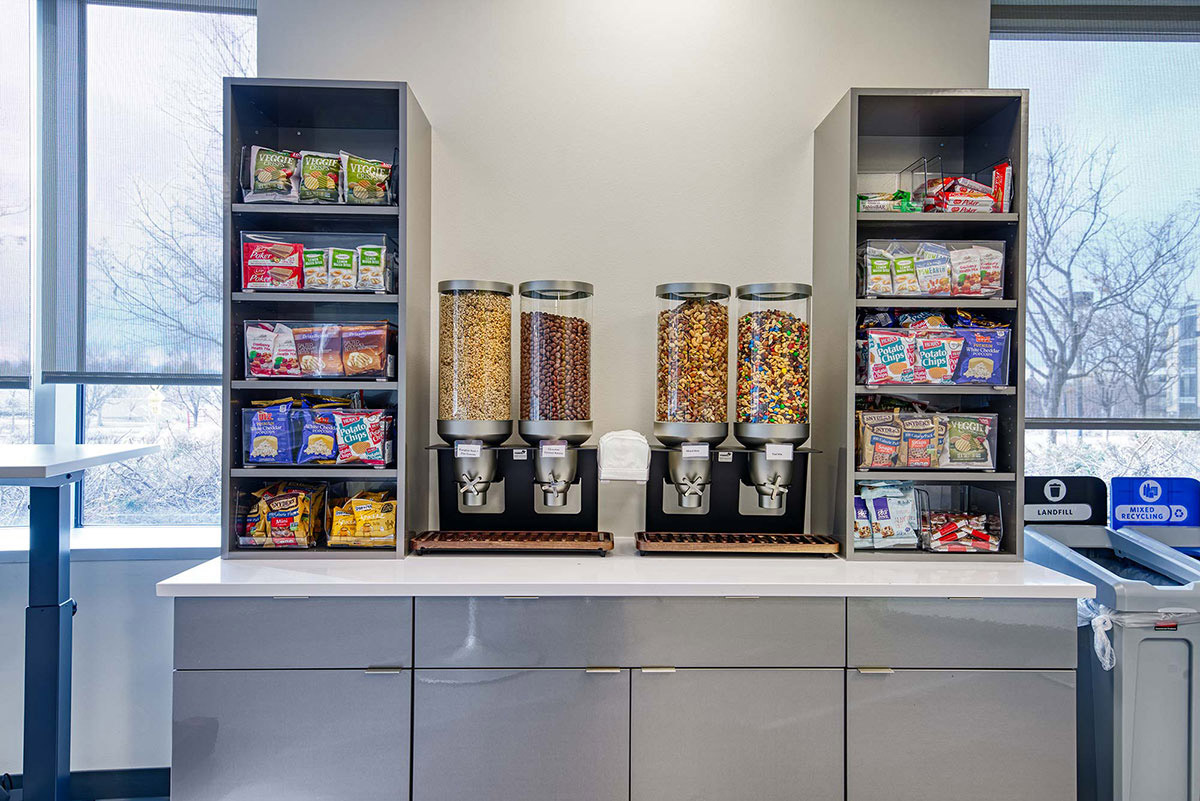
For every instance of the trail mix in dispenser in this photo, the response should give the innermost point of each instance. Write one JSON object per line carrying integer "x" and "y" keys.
{"x": 555, "y": 367}
{"x": 693, "y": 352}
{"x": 474, "y": 358}
{"x": 772, "y": 379}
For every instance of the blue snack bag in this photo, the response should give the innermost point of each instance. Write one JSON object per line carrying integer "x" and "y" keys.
{"x": 268, "y": 434}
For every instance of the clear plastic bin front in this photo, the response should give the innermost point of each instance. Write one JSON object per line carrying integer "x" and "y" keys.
{"x": 693, "y": 353}
{"x": 773, "y": 353}
{"x": 556, "y": 350}
{"x": 474, "y": 350}
{"x": 931, "y": 268}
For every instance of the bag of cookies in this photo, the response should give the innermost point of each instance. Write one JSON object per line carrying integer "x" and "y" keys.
{"x": 320, "y": 177}
{"x": 862, "y": 524}
{"x": 366, "y": 182}
{"x": 272, "y": 175}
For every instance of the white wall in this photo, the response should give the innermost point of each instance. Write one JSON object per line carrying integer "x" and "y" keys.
{"x": 121, "y": 701}
{"x": 627, "y": 142}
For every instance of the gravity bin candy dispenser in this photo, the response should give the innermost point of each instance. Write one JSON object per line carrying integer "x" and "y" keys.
{"x": 748, "y": 499}
{"x": 772, "y": 382}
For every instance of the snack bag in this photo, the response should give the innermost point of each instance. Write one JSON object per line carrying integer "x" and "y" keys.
{"x": 879, "y": 439}
{"x": 876, "y": 319}
{"x": 893, "y": 513}
{"x": 374, "y": 521}
{"x": 891, "y": 358}
{"x": 272, "y": 176}
{"x": 967, "y": 272}
{"x": 1002, "y": 187}
{"x": 937, "y": 358}
{"x": 968, "y": 442}
{"x": 260, "y": 350}
{"x": 343, "y": 268}
{"x": 918, "y": 443}
{"x": 289, "y": 520}
{"x": 286, "y": 363}
{"x": 923, "y": 320}
{"x": 360, "y": 437}
{"x": 984, "y": 356}
{"x": 367, "y": 182}
{"x": 342, "y": 525}
{"x": 269, "y": 434}
{"x": 372, "y": 264}
{"x": 316, "y": 268}
{"x": 904, "y": 276}
{"x": 862, "y": 524}
{"x": 991, "y": 268}
{"x": 271, "y": 265}
{"x": 320, "y": 177}
{"x": 933, "y": 268}
{"x": 319, "y": 350}
{"x": 318, "y": 437}
{"x": 364, "y": 350}
{"x": 879, "y": 274}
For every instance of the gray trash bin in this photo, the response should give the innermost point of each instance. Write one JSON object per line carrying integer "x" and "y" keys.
{"x": 1138, "y": 723}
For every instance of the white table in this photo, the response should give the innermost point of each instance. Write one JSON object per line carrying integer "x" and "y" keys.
{"x": 49, "y": 471}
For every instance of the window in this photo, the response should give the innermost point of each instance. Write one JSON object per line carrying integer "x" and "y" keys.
{"x": 16, "y": 149}
{"x": 1113, "y": 246}
{"x": 16, "y": 425}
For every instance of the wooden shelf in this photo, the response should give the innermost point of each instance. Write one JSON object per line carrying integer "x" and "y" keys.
{"x": 316, "y": 210}
{"x": 333, "y": 473}
{"x": 316, "y": 297}
{"x": 925, "y": 217}
{"x": 934, "y": 303}
{"x": 317, "y": 383}
{"x": 934, "y": 476}
{"x": 933, "y": 389}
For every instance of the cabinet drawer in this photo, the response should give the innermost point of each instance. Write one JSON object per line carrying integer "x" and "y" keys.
{"x": 630, "y": 632}
{"x": 950, "y": 633}
{"x": 250, "y": 633}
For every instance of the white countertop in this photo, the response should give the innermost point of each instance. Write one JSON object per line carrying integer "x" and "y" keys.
{"x": 622, "y": 573}
{"x": 47, "y": 461}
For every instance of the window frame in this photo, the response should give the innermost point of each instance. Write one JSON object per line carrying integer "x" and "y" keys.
{"x": 1132, "y": 22}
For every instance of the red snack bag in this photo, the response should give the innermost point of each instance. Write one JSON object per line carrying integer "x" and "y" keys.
{"x": 1002, "y": 187}
{"x": 272, "y": 265}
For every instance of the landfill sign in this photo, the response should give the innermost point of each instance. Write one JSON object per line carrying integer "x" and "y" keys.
{"x": 1155, "y": 501}
{"x": 1079, "y": 500}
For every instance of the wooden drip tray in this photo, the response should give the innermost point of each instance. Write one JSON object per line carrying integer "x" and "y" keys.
{"x": 704, "y": 542}
{"x": 599, "y": 542}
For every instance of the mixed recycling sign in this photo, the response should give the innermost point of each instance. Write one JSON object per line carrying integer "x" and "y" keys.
{"x": 1155, "y": 501}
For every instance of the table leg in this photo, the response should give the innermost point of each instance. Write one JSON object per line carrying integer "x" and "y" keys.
{"x": 47, "y": 771}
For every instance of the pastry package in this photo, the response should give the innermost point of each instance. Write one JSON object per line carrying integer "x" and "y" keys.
{"x": 320, "y": 177}
{"x": 272, "y": 265}
{"x": 272, "y": 175}
{"x": 366, "y": 181}
{"x": 366, "y": 350}
{"x": 319, "y": 350}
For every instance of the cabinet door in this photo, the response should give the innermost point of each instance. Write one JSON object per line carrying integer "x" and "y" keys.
{"x": 520, "y": 735}
{"x": 949, "y": 735}
{"x": 714, "y": 735}
{"x": 290, "y": 735}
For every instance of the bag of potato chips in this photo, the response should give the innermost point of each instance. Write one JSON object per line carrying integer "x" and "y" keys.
{"x": 320, "y": 177}
{"x": 272, "y": 176}
{"x": 366, "y": 182}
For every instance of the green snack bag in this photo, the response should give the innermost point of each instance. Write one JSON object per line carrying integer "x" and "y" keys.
{"x": 316, "y": 268}
{"x": 968, "y": 441}
{"x": 371, "y": 266}
{"x": 320, "y": 177}
{"x": 272, "y": 176}
{"x": 367, "y": 182}
{"x": 343, "y": 268}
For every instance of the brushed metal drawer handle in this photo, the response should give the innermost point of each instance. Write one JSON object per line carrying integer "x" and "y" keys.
{"x": 742, "y": 597}
{"x": 383, "y": 671}
{"x": 876, "y": 671}
{"x": 521, "y": 597}
{"x": 602, "y": 670}
{"x": 658, "y": 669}
{"x": 289, "y": 597}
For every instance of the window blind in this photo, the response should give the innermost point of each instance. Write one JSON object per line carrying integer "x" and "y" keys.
{"x": 1020, "y": 19}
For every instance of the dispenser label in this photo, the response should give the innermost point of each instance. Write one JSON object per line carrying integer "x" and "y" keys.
{"x": 520, "y": 454}
{"x": 695, "y": 450}
{"x": 468, "y": 449}
{"x": 779, "y": 452}
{"x": 554, "y": 449}
{"x": 724, "y": 456}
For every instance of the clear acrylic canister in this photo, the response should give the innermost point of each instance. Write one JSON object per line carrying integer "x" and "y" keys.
{"x": 773, "y": 352}
{"x": 693, "y": 353}
{"x": 556, "y": 350}
{"x": 474, "y": 350}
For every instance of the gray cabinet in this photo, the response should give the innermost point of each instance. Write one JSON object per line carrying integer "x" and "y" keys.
{"x": 520, "y": 735}
{"x": 949, "y": 735}
{"x": 714, "y": 735}
{"x": 290, "y": 735}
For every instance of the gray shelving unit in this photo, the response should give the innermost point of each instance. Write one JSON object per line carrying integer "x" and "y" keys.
{"x": 872, "y": 131}
{"x": 377, "y": 119}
